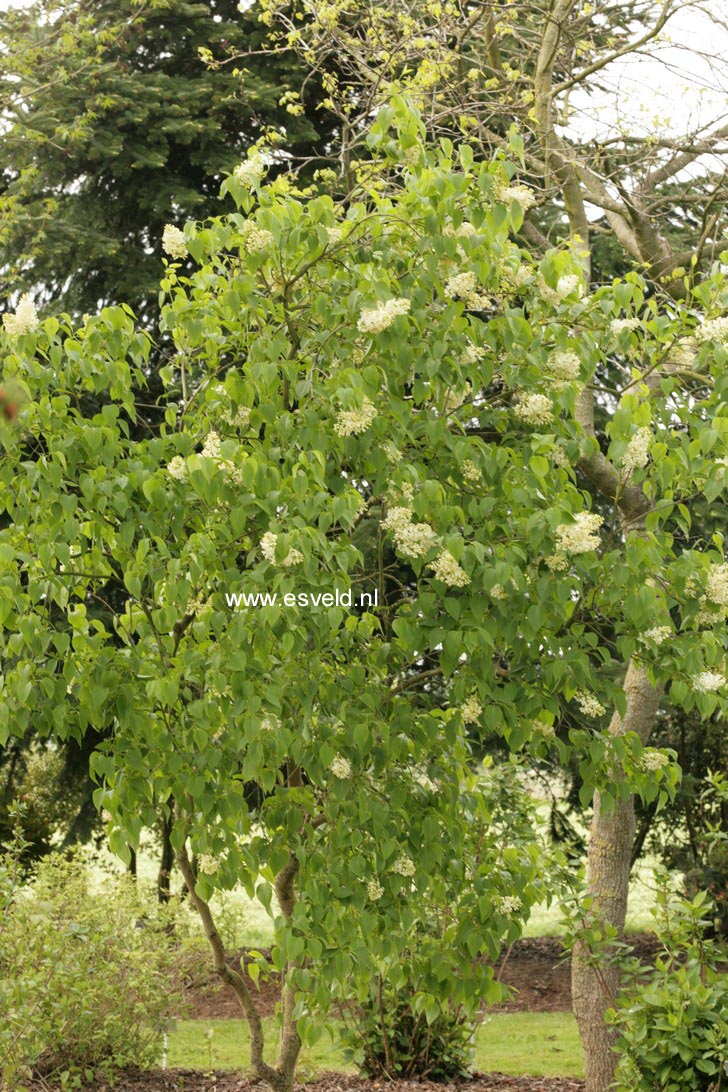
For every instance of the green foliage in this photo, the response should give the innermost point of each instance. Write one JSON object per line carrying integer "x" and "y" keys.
{"x": 86, "y": 977}
{"x": 395, "y": 1040}
{"x": 673, "y": 1029}
{"x": 400, "y": 1023}
{"x": 348, "y": 387}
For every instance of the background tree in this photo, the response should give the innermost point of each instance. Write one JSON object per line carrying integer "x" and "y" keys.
{"x": 113, "y": 125}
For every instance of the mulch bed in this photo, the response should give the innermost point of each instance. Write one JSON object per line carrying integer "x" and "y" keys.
{"x": 190, "y": 1080}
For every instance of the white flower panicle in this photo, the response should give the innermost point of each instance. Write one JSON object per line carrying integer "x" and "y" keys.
{"x": 565, "y": 287}
{"x": 518, "y": 192}
{"x": 239, "y": 419}
{"x": 651, "y": 760}
{"x": 471, "y": 710}
{"x": 404, "y": 866}
{"x": 173, "y": 242}
{"x": 713, "y": 330}
{"x": 471, "y": 472}
{"x": 508, "y": 904}
{"x": 498, "y": 592}
{"x": 334, "y": 234}
{"x": 589, "y": 704}
{"x": 255, "y": 238}
{"x": 472, "y": 354}
{"x": 580, "y": 536}
{"x": 411, "y": 539}
{"x": 375, "y": 320}
{"x": 637, "y": 453}
{"x": 211, "y": 447}
{"x": 707, "y": 682}
{"x": 251, "y": 170}
{"x": 563, "y": 364}
{"x": 177, "y": 468}
{"x": 683, "y": 353}
{"x": 717, "y": 585}
{"x": 460, "y": 286}
{"x": 657, "y": 635}
{"x": 534, "y": 409}
{"x": 268, "y": 549}
{"x": 340, "y": 767}
{"x": 374, "y": 890}
{"x": 447, "y": 569}
{"x": 24, "y": 320}
{"x": 353, "y": 422}
{"x": 619, "y": 324}
{"x": 543, "y": 728}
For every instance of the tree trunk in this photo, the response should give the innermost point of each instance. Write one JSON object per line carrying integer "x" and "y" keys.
{"x": 166, "y": 861}
{"x": 594, "y": 985}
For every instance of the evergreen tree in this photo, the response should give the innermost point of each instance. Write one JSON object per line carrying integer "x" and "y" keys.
{"x": 115, "y": 125}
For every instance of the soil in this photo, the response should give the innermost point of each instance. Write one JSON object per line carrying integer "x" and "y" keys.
{"x": 191, "y": 1080}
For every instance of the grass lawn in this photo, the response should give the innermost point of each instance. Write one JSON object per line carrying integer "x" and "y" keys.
{"x": 540, "y": 1044}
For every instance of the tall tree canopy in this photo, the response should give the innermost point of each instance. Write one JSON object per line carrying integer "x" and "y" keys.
{"x": 409, "y": 369}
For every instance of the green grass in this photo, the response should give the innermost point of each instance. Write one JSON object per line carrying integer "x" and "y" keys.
{"x": 544, "y": 1044}
{"x": 539, "y": 1044}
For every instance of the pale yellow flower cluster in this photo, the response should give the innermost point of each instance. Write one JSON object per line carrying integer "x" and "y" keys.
{"x": 563, "y": 364}
{"x": 589, "y": 704}
{"x": 471, "y": 472}
{"x": 404, "y": 866}
{"x": 471, "y": 710}
{"x": 24, "y": 320}
{"x": 637, "y": 453}
{"x": 174, "y": 242}
{"x": 713, "y": 330}
{"x": 534, "y": 409}
{"x": 518, "y": 192}
{"x": 472, "y": 354}
{"x": 268, "y": 549}
{"x": 651, "y": 760}
{"x": 340, "y": 767}
{"x": 177, "y": 468}
{"x": 580, "y": 536}
{"x": 508, "y": 904}
{"x": 251, "y": 170}
{"x": 255, "y": 237}
{"x": 377, "y": 319}
{"x": 374, "y": 890}
{"x": 717, "y": 585}
{"x": 657, "y": 635}
{"x": 411, "y": 539}
{"x": 707, "y": 682}
{"x": 619, "y": 324}
{"x": 447, "y": 569}
{"x": 353, "y": 422}
{"x": 542, "y": 728}
{"x": 565, "y": 287}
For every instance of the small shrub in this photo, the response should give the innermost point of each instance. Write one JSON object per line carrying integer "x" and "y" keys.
{"x": 392, "y": 1039}
{"x": 86, "y": 978}
{"x": 673, "y": 1029}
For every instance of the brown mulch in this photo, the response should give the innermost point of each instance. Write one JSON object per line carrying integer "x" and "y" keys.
{"x": 190, "y": 1080}
{"x": 535, "y": 969}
